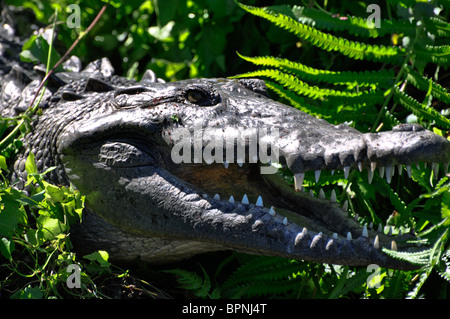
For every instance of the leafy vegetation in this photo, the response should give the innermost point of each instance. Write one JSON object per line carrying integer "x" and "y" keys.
{"x": 323, "y": 59}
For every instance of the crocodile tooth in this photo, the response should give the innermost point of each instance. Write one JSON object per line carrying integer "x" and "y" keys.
{"x": 435, "y": 169}
{"x": 272, "y": 211}
{"x": 399, "y": 232}
{"x": 332, "y": 172}
{"x": 445, "y": 168}
{"x": 345, "y": 206}
{"x": 373, "y": 165}
{"x": 311, "y": 193}
{"x": 418, "y": 166}
{"x": 356, "y": 217}
{"x": 329, "y": 244}
{"x": 425, "y": 164}
{"x": 315, "y": 240}
{"x": 240, "y": 162}
{"x": 317, "y": 175}
{"x": 371, "y": 225}
{"x": 231, "y": 200}
{"x": 298, "y": 181}
{"x": 380, "y": 228}
{"x": 376, "y": 242}
{"x": 365, "y": 232}
{"x": 408, "y": 170}
{"x": 370, "y": 176}
{"x": 349, "y": 236}
{"x": 335, "y": 236}
{"x": 333, "y": 196}
{"x": 259, "y": 202}
{"x": 381, "y": 171}
{"x": 303, "y": 234}
{"x": 360, "y": 166}
{"x": 400, "y": 169}
{"x": 217, "y": 197}
{"x": 245, "y": 200}
{"x": 346, "y": 171}
{"x": 321, "y": 194}
{"x": 389, "y": 172}
{"x": 393, "y": 245}
{"x": 285, "y": 221}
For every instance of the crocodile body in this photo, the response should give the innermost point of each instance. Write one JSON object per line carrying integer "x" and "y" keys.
{"x": 118, "y": 142}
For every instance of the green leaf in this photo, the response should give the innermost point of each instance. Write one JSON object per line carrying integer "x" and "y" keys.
{"x": 100, "y": 256}
{"x": 30, "y": 164}
{"x": 164, "y": 33}
{"x": 445, "y": 207}
{"x": 36, "y": 50}
{"x": 3, "y": 165}
{"x": 10, "y": 216}
{"x": 55, "y": 193}
{"x": 28, "y": 293}
{"x": 50, "y": 227}
{"x": 6, "y": 247}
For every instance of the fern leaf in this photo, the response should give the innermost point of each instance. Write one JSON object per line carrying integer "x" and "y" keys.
{"x": 395, "y": 199}
{"x": 421, "y": 258}
{"x": 328, "y": 42}
{"x": 295, "y": 100}
{"x": 353, "y": 25}
{"x": 383, "y": 78}
{"x": 420, "y": 110}
{"x": 422, "y": 279}
{"x": 438, "y": 27}
{"x": 262, "y": 276}
{"x": 437, "y": 54}
{"x": 423, "y": 83}
{"x": 298, "y": 86}
{"x": 192, "y": 281}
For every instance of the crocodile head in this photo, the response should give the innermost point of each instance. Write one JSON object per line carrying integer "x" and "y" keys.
{"x": 171, "y": 170}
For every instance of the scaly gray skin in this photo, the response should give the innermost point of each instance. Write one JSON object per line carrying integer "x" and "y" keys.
{"x": 112, "y": 139}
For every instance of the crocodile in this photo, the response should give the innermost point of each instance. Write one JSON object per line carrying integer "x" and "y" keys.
{"x": 169, "y": 170}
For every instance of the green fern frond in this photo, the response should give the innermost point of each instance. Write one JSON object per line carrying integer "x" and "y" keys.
{"x": 333, "y": 110}
{"x": 423, "y": 83}
{"x": 353, "y": 25}
{"x": 437, "y": 54}
{"x": 420, "y": 110}
{"x": 274, "y": 276}
{"x": 381, "y": 78}
{"x": 293, "y": 83}
{"x": 421, "y": 258}
{"x": 438, "y": 27}
{"x": 295, "y": 100}
{"x": 328, "y": 42}
{"x": 192, "y": 281}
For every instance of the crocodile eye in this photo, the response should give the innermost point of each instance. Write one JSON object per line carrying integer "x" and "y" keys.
{"x": 201, "y": 95}
{"x": 195, "y": 96}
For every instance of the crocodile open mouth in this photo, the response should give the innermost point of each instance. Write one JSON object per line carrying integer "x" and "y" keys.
{"x": 243, "y": 184}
